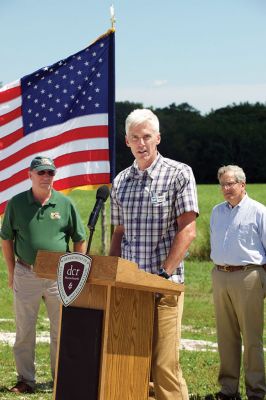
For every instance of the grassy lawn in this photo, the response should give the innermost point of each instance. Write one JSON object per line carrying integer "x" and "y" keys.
{"x": 200, "y": 368}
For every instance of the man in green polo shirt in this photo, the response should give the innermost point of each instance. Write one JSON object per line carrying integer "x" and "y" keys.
{"x": 40, "y": 218}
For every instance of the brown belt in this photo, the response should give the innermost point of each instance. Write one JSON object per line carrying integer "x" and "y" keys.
{"x": 21, "y": 262}
{"x": 233, "y": 268}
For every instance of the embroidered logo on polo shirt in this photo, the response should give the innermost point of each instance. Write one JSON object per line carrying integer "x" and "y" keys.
{"x": 55, "y": 215}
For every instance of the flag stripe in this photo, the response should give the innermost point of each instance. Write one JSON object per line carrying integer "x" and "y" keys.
{"x": 48, "y": 144}
{"x": 82, "y": 156}
{"x": 81, "y": 180}
{"x": 9, "y": 94}
{"x": 10, "y": 105}
{"x": 2, "y": 207}
{"x": 65, "y": 148}
{"x": 10, "y": 127}
{"x": 72, "y": 125}
{"x": 88, "y": 168}
{"x": 10, "y": 116}
{"x": 80, "y": 122}
{"x": 11, "y": 138}
{"x": 67, "y": 159}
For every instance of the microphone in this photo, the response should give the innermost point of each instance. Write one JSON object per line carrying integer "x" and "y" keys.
{"x": 101, "y": 197}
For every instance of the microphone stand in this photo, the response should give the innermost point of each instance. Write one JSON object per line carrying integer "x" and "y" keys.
{"x": 101, "y": 196}
{"x": 92, "y": 229}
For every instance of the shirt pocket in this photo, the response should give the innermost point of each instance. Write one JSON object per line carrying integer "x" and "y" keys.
{"x": 246, "y": 234}
{"x": 162, "y": 205}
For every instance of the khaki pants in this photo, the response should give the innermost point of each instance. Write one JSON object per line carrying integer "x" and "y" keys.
{"x": 29, "y": 290}
{"x": 169, "y": 383}
{"x": 239, "y": 302}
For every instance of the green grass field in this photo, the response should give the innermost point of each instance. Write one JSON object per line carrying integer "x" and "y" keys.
{"x": 200, "y": 368}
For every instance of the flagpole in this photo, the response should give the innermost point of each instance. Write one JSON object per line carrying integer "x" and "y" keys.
{"x": 112, "y": 14}
{"x": 111, "y": 108}
{"x": 111, "y": 95}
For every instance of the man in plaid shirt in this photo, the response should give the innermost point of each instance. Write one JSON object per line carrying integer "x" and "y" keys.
{"x": 154, "y": 208}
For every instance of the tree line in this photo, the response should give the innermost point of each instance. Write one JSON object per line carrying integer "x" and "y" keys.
{"x": 235, "y": 134}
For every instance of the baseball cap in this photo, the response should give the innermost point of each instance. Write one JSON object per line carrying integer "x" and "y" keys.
{"x": 41, "y": 163}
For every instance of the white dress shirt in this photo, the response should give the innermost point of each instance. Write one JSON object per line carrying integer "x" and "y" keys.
{"x": 238, "y": 234}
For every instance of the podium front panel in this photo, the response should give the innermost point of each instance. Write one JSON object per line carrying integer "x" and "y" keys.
{"x": 80, "y": 354}
{"x": 127, "y": 357}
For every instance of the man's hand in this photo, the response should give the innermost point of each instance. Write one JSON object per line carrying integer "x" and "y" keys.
{"x": 80, "y": 247}
{"x": 10, "y": 279}
{"x": 163, "y": 273}
{"x": 9, "y": 256}
{"x": 115, "y": 247}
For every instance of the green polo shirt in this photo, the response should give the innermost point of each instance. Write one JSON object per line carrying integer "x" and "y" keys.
{"x": 35, "y": 227}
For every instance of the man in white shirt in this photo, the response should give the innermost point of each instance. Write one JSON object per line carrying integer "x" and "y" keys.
{"x": 238, "y": 243}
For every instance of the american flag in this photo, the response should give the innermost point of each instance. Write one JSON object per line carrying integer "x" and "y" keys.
{"x": 66, "y": 112}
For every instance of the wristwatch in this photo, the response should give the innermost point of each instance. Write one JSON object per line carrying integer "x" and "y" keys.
{"x": 163, "y": 273}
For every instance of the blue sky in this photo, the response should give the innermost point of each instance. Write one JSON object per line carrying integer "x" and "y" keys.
{"x": 208, "y": 53}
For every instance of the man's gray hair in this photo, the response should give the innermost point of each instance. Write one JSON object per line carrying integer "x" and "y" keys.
{"x": 141, "y": 115}
{"x": 237, "y": 171}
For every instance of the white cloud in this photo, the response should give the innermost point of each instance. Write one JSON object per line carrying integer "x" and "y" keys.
{"x": 159, "y": 82}
{"x": 203, "y": 98}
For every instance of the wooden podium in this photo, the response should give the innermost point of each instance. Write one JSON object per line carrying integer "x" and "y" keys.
{"x": 105, "y": 337}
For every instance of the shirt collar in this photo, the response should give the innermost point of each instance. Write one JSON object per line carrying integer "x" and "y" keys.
{"x": 152, "y": 170}
{"x": 32, "y": 200}
{"x": 240, "y": 204}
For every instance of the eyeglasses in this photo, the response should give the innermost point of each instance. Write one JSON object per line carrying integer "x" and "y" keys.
{"x": 48, "y": 172}
{"x": 228, "y": 184}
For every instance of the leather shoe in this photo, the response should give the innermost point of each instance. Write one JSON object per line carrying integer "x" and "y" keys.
{"x": 22, "y": 387}
{"x": 222, "y": 396}
{"x": 255, "y": 398}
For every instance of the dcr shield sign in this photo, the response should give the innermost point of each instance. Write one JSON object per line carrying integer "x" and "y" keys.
{"x": 72, "y": 273}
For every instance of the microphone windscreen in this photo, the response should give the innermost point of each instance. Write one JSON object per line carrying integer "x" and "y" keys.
{"x": 102, "y": 193}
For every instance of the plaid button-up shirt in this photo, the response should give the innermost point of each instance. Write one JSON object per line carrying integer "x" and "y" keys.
{"x": 148, "y": 204}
